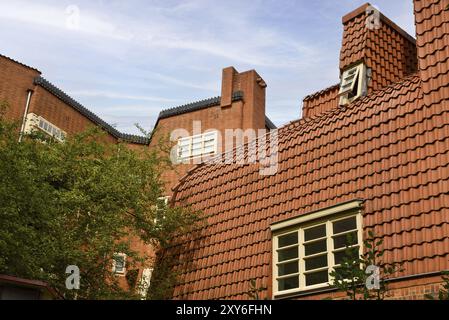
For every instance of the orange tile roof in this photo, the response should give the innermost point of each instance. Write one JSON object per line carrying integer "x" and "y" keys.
{"x": 321, "y": 101}
{"x": 390, "y": 148}
{"x": 389, "y": 51}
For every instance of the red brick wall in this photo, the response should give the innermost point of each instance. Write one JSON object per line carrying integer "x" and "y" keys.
{"x": 253, "y": 87}
{"x": 15, "y": 81}
{"x": 65, "y": 117}
{"x": 211, "y": 118}
{"x": 246, "y": 114}
{"x": 411, "y": 289}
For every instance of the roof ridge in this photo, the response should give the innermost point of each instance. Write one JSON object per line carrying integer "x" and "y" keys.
{"x": 20, "y": 63}
{"x": 196, "y": 105}
{"x": 297, "y": 124}
{"x": 87, "y": 113}
{"x": 320, "y": 92}
{"x": 362, "y": 9}
{"x": 270, "y": 124}
{"x": 190, "y": 104}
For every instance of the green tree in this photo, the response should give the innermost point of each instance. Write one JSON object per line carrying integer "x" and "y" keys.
{"x": 255, "y": 291}
{"x": 443, "y": 293}
{"x": 356, "y": 271}
{"x": 79, "y": 203}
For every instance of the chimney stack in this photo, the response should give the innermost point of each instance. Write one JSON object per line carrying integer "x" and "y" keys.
{"x": 432, "y": 34}
{"x": 387, "y": 51}
{"x": 252, "y": 86}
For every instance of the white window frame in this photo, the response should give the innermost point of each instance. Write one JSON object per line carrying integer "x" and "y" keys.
{"x": 114, "y": 269}
{"x": 165, "y": 200}
{"x": 38, "y": 122}
{"x": 324, "y": 217}
{"x": 145, "y": 282}
{"x": 188, "y": 142}
{"x": 349, "y": 79}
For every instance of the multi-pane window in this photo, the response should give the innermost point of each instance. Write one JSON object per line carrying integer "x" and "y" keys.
{"x": 145, "y": 282}
{"x": 305, "y": 255}
{"x": 353, "y": 84}
{"x": 35, "y": 121}
{"x": 119, "y": 263}
{"x": 197, "y": 146}
{"x": 161, "y": 206}
{"x": 162, "y": 202}
{"x": 51, "y": 129}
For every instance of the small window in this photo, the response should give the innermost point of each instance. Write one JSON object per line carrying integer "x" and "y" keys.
{"x": 119, "y": 263}
{"x": 145, "y": 282}
{"x": 50, "y": 129}
{"x": 161, "y": 204}
{"x": 305, "y": 252}
{"x": 197, "y": 146}
{"x": 353, "y": 84}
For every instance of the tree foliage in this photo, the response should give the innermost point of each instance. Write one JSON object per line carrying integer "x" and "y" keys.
{"x": 443, "y": 293}
{"x": 255, "y": 291}
{"x": 353, "y": 276}
{"x": 78, "y": 203}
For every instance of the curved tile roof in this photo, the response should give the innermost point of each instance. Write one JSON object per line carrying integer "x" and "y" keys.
{"x": 387, "y": 148}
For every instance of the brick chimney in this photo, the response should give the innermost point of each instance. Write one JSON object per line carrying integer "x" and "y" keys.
{"x": 375, "y": 53}
{"x": 388, "y": 52}
{"x": 432, "y": 34}
{"x": 252, "y": 86}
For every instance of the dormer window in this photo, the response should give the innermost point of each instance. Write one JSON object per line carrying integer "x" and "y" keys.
{"x": 353, "y": 84}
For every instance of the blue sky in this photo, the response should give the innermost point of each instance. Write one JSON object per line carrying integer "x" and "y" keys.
{"x": 127, "y": 60}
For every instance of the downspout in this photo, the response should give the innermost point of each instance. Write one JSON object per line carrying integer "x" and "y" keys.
{"x": 27, "y": 107}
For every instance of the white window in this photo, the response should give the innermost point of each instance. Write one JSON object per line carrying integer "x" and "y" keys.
{"x": 353, "y": 84}
{"x": 197, "y": 146}
{"x": 145, "y": 282}
{"x": 161, "y": 204}
{"x": 307, "y": 249}
{"x": 119, "y": 263}
{"x": 37, "y": 122}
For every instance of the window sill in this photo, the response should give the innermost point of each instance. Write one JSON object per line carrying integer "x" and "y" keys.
{"x": 304, "y": 293}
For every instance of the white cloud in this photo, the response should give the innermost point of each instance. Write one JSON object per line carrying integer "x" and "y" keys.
{"x": 57, "y": 16}
{"x": 181, "y": 83}
{"x": 164, "y": 29}
{"x": 158, "y": 53}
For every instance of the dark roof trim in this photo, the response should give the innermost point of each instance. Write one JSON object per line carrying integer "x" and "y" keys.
{"x": 89, "y": 114}
{"x": 19, "y": 63}
{"x": 30, "y": 283}
{"x": 198, "y": 105}
{"x": 269, "y": 124}
{"x": 204, "y": 104}
{"x": 321, "y": 92}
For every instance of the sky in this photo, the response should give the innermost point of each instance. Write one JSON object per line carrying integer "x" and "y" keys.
{"x": 128, "y": 60}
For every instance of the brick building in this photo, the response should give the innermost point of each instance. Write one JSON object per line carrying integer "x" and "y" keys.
{"x": 240, "y": 107}
{"x": 36, "y": 103}
{"x": 370, "y": 153}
